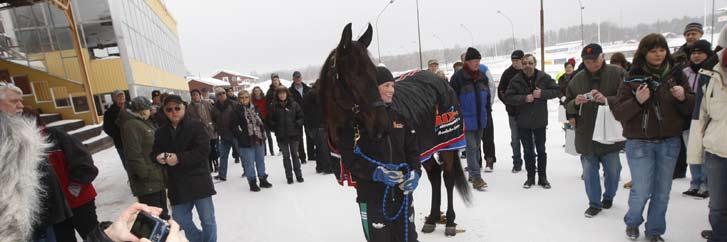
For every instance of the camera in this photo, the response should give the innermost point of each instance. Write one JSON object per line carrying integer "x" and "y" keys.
{"x": 650, "y": 82}
{"x": 589, "y": 97}
{"x": 150, "y": 227}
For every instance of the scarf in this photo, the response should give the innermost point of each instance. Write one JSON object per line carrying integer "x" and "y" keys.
{"x": 254, "y": 123}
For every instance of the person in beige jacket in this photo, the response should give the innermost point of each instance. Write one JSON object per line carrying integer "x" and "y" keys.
{"x": 706, "y": 144}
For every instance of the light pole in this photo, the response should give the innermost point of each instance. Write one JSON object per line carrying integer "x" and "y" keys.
{"x": 378, "y": 44}
{"x": 583, "y": 44}
{"x": 472, "y": 39}
{"x": 512, "y": 27}
{"x": 419, "y": 34}
{"x": 542, "y": 37}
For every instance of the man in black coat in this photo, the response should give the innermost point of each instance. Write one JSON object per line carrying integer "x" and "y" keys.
{"x": 182, "y": 145}
{"x": 530, "y": 90}
{"x": 298, "y": 92}
{"x": 510, "y": 72}
{"x": 313, "y": 122}
{"x": 109, "y": 122}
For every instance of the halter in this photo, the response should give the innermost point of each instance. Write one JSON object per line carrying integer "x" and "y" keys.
{"x": 356, "y": 108}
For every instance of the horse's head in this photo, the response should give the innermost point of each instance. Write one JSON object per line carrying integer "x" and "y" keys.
{"x": 349, "y": 90}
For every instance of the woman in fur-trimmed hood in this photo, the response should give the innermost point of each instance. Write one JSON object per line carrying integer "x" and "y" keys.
{"x": 21, "y": 151}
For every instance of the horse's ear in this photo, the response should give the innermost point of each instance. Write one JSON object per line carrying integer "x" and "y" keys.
{"x": 345, "y": 38}
{"x": 365, "y": 39}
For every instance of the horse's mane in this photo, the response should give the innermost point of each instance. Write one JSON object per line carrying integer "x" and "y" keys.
{"x": 418, "y": 93}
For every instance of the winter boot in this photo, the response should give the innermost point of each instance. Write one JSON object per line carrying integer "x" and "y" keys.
{"x": 490, "y": 164}
{"x": 632, "y": 232}
{"x": 299, "y": 179}
{"x": 543, "y": 182}
{"x": 606, "y": 204}
{"x": 529, "y": 183}
{"x": 253, "y": 185}
{"x": 290, "y": 180}
{"x": 264, "y": 182}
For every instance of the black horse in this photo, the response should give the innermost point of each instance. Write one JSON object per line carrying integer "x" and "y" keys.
{"x": 349, "y": 93}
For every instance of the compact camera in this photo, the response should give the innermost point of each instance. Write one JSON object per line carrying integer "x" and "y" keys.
{"x": 589, "y": 97}
{"x": 150, "y": 227}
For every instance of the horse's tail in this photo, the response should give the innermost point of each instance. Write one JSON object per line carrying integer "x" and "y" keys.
{"x": 460, "y": 180}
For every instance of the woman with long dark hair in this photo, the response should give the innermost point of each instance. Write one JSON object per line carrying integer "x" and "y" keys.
{"x": 261, "y": 105}
{"x": 652, "y": 105}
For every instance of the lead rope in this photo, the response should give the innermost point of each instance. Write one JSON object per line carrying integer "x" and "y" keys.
{"x": 401, "y": 166}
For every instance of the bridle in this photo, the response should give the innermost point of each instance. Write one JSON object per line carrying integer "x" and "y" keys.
{"x": 356, "y": 107}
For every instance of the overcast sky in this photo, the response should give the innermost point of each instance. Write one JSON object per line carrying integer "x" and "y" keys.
{"x": 268, "y": 35}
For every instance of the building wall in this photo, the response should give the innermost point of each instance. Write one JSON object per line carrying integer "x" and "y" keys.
{"x": 199, "y": 86}
{"x": 72, "y": 89}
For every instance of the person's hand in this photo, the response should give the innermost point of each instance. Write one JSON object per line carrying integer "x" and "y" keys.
{"x": 175, "y": 234}
{"x": 598, "y": 96}
{"x": 678, "y": 93}
{"x": 530, "y": 98}
{"x": 172, "y": 159}
{"x": 120, "y": 229}
{"x": 537, "y": 93}
{"x": 580, "y": 99}
{"x": 388, "y": 177}
{"x": 643, "y": 94}
{"x": 572, "y": 122}
{"x": 410, "y": 183}
{"x": 161, "y": 158}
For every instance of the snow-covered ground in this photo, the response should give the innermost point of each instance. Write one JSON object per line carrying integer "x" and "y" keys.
{"x": 320, "y": 210}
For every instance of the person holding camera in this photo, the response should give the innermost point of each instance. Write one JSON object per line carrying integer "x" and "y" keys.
{"x": 529, "y": 91}
{"x": 586, "y": 92}
{"x": 121, "y": 229}
{"x": 652, "y": 105}
{"x": 182, "y": 146}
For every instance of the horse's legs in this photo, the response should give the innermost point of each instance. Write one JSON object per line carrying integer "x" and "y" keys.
{"x": 448, "y": 161}
{"x": 434, "y": 173}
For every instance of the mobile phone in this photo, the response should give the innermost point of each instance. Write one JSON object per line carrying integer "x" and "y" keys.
{"x": 150, "y": 227}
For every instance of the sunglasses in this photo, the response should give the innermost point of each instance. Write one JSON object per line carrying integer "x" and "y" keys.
{"x": 170, "y": 109}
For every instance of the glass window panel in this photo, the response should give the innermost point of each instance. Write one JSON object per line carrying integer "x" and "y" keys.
{"x": 33, "y": 41}
{"x": 29, "y": 16}
{"x": 57, "y": 17}
{"x": 62, "y": 38}
{"x": 94, "y": 10}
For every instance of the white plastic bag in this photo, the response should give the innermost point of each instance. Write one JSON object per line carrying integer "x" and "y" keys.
{"x": 607, "y": 129}
{"x": 561, "y": 114}
{"x": 570, "y": 142}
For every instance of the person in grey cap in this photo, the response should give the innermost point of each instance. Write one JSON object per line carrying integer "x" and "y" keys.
{"x": 692, "y": 33}
{"x": 109, "y": 121}
{"x": 146, "y": 177}
{"x": 433, "y": 66}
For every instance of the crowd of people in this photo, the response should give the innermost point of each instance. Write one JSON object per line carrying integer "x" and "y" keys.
{"x": 669, "y": 105}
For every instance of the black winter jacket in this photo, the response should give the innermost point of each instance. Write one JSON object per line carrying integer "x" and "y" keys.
{"x": 400, "y": 146}
{"x": 190, "y": 178}
{"x": 505, "y": 79}
{"x": 286, "y": 120}
{"x": 531, "y": 115}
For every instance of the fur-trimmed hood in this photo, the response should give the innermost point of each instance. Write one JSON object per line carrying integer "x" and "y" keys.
{"x": 22, "y": 148}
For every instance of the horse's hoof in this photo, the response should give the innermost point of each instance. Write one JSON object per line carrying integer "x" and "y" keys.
{"x": 428, "y": 228}
{"x": 450, "y": 231}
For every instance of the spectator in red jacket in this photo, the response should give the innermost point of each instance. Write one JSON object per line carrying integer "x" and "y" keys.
{"x": 261, "y": 104}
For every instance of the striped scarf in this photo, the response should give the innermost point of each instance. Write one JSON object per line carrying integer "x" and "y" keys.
{"x": 254, "y": 124}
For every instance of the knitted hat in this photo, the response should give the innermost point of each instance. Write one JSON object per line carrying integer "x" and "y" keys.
{"x": 472, "y": 54}
{"x": 517, "y": 54}
{"x": 702, "y": 46}
{"x": 694, "y": 27}
{"x": 139, "y": 104}
{"x": 383, "y": 75}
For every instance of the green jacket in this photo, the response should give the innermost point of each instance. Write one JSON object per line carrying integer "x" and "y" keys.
{"x": 145, "y": 175}
{"x": 606, "y": 81}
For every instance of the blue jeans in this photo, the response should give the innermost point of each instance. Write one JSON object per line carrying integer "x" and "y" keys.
{"x": 473, "y": 139}
{"x": 182, "y": 214}
{"x": 652, "y": 165}
{"x": 716, "y": 168}
{"x": 517, "y": 158}
{"x": 592, "y": 179}
{"x": 224, "y": 149}
{"x": 253, "y": 159}
{"x": 699, "y": 178}
{"x": 48, "y": 235}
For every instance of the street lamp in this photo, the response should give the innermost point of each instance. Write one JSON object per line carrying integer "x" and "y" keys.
{"x": 378, "y": 44}
{"x": 512, "y": 27}
{"x": 419, "y": 34}
{"x": 472, "y": 39}
{"x": 583, "y": 44}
